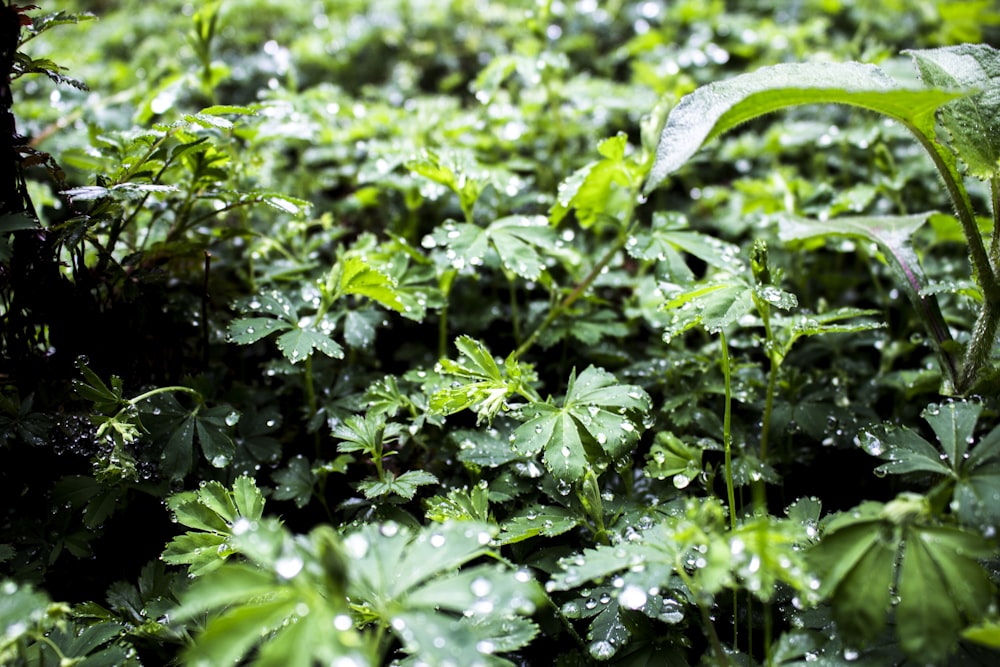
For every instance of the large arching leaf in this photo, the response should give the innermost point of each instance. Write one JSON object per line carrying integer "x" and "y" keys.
{"x": 718, "y": 107}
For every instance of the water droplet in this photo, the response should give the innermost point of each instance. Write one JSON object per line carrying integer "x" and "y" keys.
{"x": 288, "y": 566}
{"x": 632, "y": 597}
{"x": 481, "y": 587}
{"x": 601, "y": 650}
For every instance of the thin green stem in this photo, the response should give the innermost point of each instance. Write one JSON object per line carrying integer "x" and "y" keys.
{"x": 995, "y": 201}
{"x": 727, "y": 443}
{"x": 164, "y": 390}
{"x": 577, "y": 292}
{"x": 966, "y": 215}
{"x": 309, "y": 390}
{"x": 727, "y": 435}
{"x": 706, "y": 617}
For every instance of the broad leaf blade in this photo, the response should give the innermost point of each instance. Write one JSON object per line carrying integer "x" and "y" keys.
{"x": 972, "y": 122}
{"x": 941, "y": 588}
{"x": 718, "y": 107}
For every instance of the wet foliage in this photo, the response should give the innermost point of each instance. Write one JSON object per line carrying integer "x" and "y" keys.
{"x": 370, "y": 332}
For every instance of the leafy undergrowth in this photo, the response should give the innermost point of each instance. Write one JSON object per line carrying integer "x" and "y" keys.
{"x": 367, "y": 332}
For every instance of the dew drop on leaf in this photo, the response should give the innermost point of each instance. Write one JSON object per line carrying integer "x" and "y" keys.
{"x": 601, "y": 650}
{"x": 632, "y": 597}
{"x": 288, "y": 566}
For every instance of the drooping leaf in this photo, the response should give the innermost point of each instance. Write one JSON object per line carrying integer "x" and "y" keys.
{"x": 299, "y": 343}
{"x": 942, "y": 589}
{"x": 718, "y": 107}
{"x": 975, "y": 472}
{"x": 892, "y": 235}
{"x": 515, "y": 239}
{"x": 295, "y": 482}
{"x": 274, "y": 602}
{"x": 669, "y": 456}
{"x": 217, "y": 514}
{"x": 669, "y": 237}
{"x": 714, "y": 305}
{"x": 547, "y": 521}
{"x": 405, "y": 486}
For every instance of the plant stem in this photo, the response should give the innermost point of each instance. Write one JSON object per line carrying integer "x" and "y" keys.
{"x": 164, "y": 390}
{"x": 706, "y": 617}
{"x": 727, "y": 443}
{"x": 727, "y": 436}
{"x": 995, "y": 201}
{"x": 977, "y": 354}
{"x": 577, "y": 292}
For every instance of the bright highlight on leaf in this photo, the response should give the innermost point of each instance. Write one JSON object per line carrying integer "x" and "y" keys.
{"x": 718, "y": 107}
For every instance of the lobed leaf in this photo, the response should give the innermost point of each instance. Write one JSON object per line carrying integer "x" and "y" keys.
{"x": 596, "y": 410}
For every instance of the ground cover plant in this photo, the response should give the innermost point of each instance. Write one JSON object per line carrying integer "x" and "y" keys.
{"x": 476, "y": 333}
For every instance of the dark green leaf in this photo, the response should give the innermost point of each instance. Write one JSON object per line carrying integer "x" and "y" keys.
{"x": 972, "y": 122}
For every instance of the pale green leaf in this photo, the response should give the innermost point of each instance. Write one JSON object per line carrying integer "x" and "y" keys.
{"x": 718, "y": 107}
{"x": 298, "y": 344}
{"x": 358, "y": 277}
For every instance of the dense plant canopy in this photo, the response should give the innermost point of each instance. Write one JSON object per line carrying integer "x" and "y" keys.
{"x": 368, "y": 332}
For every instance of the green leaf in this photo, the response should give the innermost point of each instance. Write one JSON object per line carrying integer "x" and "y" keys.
{"x": 598, "y": 411}
{"x": 22, "y": 609}
{"x": 941, "y": 586}
{"x": 461, "y": 505}
{"x": 855, "y": 564}
{"x": 985, "y": 634}
{"x": 598, "y": 189}
{"x": 517, "y": 238}
{"x": 482, "y": 385}
{"x": 405, "y": 486}
{"x": 544, "y": 520}
{"x": 975, "y": 473}
{"x": 220, "y": 513}
{"x": 669, "y": 456}
{"x": 295, "y": 482}
{"x": 488, "y": 447}
{"x": 972, "y": 122}
{"x": 298, "y": 345}
{"x": 366, "y": 434}
{"x": 714, "y": 305}
{"x": 411, "y": 582}
{"x": 942, "y": 589}
{"x": 247, "y": 330}
{"x": 355, "y": 276}
{"x": 669, "y": 236}
{"x": 718, "y": 107}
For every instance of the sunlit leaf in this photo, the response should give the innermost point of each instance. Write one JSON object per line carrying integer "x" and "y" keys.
{"x": 718, "y": 107}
